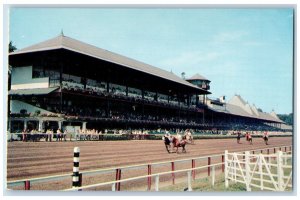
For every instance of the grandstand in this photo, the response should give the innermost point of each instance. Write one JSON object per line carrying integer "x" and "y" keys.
{"x": 63, "y": 83}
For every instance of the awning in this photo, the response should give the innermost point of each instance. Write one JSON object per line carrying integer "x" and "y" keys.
{"x": 35, "y": 91}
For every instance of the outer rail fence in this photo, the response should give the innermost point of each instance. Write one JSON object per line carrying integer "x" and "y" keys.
{"x": 28, "y": 181}
{"x": 189, "y": 179}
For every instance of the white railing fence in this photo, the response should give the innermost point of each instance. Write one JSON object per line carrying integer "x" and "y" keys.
{"x": 157, "y": 179}
{"x": 266, "y": 172}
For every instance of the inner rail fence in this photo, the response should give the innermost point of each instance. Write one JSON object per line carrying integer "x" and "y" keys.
{"x": 266, "y": 172}
{"x": 28, "y": 182}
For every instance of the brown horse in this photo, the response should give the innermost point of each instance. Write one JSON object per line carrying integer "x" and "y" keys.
{"x": 175, "y": 143}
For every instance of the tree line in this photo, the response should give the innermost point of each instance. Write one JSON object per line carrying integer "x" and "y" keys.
{"x": 287, "y": 118}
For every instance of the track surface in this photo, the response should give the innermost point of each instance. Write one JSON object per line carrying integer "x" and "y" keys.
{"x": 35, "y": 159}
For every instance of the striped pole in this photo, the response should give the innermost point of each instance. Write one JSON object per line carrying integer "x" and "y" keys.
{"x": 76, "y": 181}
{"x": 118, "y": 177}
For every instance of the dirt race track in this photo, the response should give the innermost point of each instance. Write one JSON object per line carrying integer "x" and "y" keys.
{"x": 36, "y": 159}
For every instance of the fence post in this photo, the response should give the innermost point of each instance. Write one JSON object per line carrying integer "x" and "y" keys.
{"x": 208, "y": 163}
{"x": 261, "y": 172}
{"x": 285, "y": 158}
{"x": 113, "y": 187}
{"x": 117, "y": 177}
{"x": 157, "y": 183}
{"x": 27, "y": 185}
{"x": 193, "y": 171}
{"x": 75, "y": 179}
{"x": 149, "y": 178}
{"x": 173, "y": 174}
{"x": 226, "y": 169}
{"x": 223, "y": 165}
{"x": 213, "y": 176}
{"x": 279, "y": 171}
{"x": 247, "y": 160}
{"x": 189, "y": 181}
{"x": 268, "y": 157}
{"x": 234, "y": 165}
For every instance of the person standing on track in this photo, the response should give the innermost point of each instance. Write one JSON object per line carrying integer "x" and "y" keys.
{"x": 238, "y": 138}
{"x": 266, "y": 137}
{"x": 249, "y": 138}
{"x": 24, "y": 135}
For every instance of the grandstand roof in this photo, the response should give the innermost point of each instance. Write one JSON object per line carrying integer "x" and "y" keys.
{"x": 238, "y": 106}
{"x": 63, "y": 42}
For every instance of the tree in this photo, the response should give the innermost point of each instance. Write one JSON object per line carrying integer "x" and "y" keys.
{"x": 287, "y": 118}
{"x": 183, "y": 75}
{"x": 11, "y": 47}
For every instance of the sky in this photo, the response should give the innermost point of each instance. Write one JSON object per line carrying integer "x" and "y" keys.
{"x": 244, "y": 51}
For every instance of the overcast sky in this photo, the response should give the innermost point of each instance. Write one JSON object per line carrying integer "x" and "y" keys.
{"x": 242, "y": 51}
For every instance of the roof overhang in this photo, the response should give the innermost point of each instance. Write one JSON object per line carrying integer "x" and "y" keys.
{"x": 34, "y": 91}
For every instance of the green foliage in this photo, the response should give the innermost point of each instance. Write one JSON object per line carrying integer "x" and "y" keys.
{"x": 287, "y": 118}
{"x": 37, "y": 113}
{"x": 11, "y": 47}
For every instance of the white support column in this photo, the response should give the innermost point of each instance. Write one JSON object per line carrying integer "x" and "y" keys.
{"x": 226, "y": 168}
{"x": 280, "y": 171}
{"x": 40, "y": 125}
{"x": 247, "y": 160}
{"x": 59, "y": 124}
{"x": 25, "y": 124}
{"x": 84, "y": 126}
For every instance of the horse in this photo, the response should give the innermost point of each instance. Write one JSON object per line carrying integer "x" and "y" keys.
{"x": 176, "y": 143}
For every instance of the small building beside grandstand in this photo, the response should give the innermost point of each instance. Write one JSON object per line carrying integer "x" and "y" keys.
{"x": 66, "y": 84}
